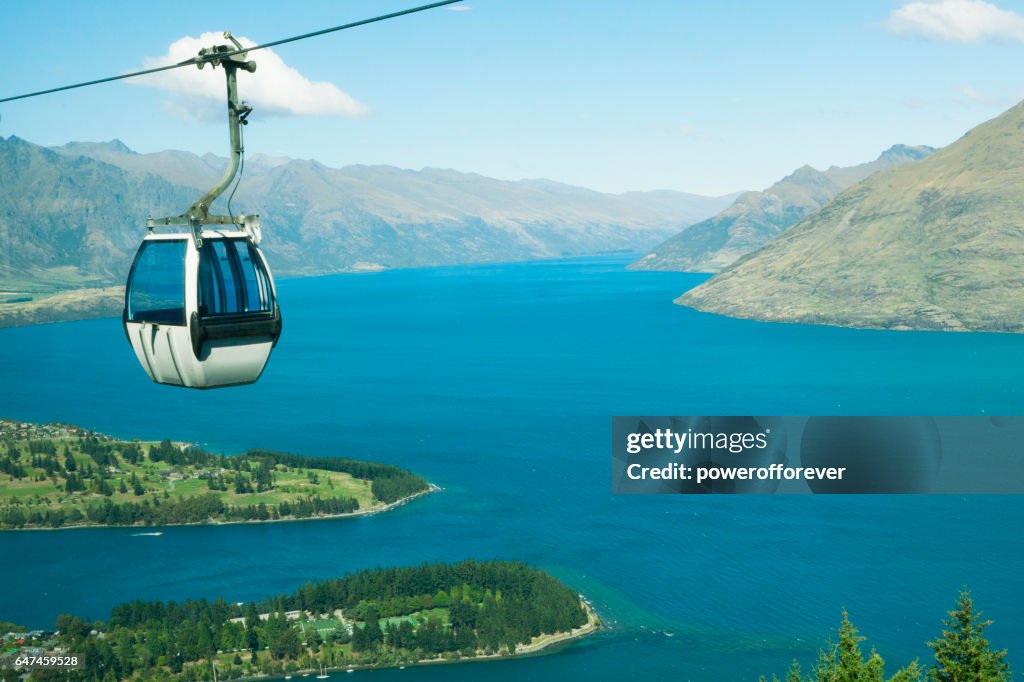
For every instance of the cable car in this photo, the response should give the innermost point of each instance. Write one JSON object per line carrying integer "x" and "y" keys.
{"x": 201, "y": 317}
{"x": 200, "y": 307}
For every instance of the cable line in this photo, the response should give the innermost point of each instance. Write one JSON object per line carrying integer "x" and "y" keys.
{"x": 221, "y": 55}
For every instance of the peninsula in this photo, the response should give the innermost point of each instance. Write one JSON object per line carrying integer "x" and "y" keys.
{"x": 60, "y": 476}
{"x": 385, "y": 617}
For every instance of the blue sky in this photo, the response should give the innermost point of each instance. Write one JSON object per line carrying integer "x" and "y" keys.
{"x": 700, "y": 97}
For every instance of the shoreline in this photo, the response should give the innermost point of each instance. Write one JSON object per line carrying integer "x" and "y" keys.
{"x": 540, "y": 646}
{"x": 545, "y": 644}
{"x": 370, "y": 511}
{"x": 107, "y": 302}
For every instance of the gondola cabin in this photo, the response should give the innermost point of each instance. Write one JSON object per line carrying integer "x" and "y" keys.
{"x": 200, "y": 309}
{"x": 201, "y": 316}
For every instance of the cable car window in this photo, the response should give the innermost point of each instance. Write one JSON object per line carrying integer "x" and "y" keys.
{"x": 254, "y": 301}
{"x": 156, "y": 285}
{"x": 232, "y": 279}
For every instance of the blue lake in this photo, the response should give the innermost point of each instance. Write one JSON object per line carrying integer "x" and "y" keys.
{"x": 498, "y": 382}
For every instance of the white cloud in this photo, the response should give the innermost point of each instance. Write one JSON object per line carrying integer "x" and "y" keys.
{"x": 960, "y": 21}
{"x": 275, "y": 88}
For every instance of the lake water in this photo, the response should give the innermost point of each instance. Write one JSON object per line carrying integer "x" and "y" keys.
{"x": 498, "y": 382}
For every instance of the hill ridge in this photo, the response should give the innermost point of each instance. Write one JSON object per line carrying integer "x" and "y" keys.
{"x": 758, "y": 216}
{"x": 937, "y": 244}
{"x": 72, "y": 216}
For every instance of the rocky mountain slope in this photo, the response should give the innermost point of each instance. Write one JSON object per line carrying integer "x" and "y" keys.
{"x": 72, "y": 216}
{"x": 757, "y": 217}
{"x": 937, "y": 244}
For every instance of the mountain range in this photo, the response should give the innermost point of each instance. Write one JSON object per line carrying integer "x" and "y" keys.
{"x": 72, "y": 216}
{"x": 936, "y": 244}
{"x": 757, "y": 217}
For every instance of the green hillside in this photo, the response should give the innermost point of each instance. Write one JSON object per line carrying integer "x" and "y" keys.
{"x": 757, "y": 217}
{"x": 937, "y": 244}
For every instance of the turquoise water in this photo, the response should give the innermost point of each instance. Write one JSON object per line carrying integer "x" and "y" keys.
{"x": 498, "y": 383}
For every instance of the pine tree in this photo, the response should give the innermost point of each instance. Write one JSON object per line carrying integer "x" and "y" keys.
{"x": 963, "y": 654}
{"x": 912, "y": 673}
{"x": 844, "y": 662}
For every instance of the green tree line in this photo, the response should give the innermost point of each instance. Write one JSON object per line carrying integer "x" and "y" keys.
{"x": 961, "y": 653}
{"x": 169, "y": 511}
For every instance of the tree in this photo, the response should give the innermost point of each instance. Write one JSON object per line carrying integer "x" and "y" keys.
{"x": 71, "y": 627}
{"x": 963, "y": 654}
{"x": 912, "y": 673}
{"x": 252, "y": 615}
{"x": 844, "y": 662}
{"x": 125, "y": 652}
{"x": 285, "y": 642}
{"x": 264, "y": 479}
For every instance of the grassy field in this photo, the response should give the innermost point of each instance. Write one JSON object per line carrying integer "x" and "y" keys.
{"x": 180, "y": 481}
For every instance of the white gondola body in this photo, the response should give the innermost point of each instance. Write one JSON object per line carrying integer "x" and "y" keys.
{"x": 184, "y": 343}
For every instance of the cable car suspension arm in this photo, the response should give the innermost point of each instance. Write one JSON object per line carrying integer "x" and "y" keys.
{"x": 198, "y": 213}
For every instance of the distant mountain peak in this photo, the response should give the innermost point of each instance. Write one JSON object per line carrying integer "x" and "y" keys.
{"x": 757, "y": 217}
{"x": 805, "y": 172}
{"x": 114, "y": 146}
{"x": 903, "y": 152}
{"x": 119, "y": 146}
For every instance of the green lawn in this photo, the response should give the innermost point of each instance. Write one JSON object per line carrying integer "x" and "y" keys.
{"x": 417, "y": 618}
{"x": 324, "y": 627}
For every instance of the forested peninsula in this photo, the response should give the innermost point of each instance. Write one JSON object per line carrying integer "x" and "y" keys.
{"x": 432, "y": 613}
{"x": 60, "y": 476}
